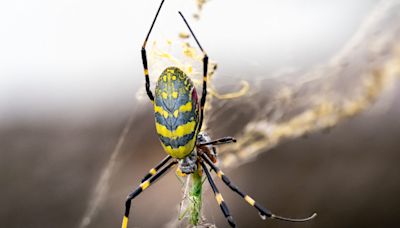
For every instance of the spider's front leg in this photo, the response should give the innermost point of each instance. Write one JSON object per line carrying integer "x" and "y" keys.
{"x": 205, "y": 72}
{"x": 224, "y": 140}
{"x": 146, "y": 74}
{"x": 206, "y": 145}
{"x": 218, "y": 197}
{"x": 144, "y": 57}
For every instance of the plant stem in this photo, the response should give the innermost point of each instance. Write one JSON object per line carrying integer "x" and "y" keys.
{"x": 195, "y": 196}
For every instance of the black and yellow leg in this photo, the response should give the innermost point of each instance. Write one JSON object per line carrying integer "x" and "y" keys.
{"x": 204, "y": 94}
{"x": 143, "y": 186}
{"x": 218, "y": 197}
{"x": 220, "y": 141}
{"x": 146, "y": 74}
{"x": 154, "y": 170}
{"x": 263, "y": 211}
{"x": 205, "y": 72}
{"x": 144, "y": 57}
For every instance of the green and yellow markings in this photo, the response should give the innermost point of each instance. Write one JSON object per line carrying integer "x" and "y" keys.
{"x": 159, "y": 109}
{"x": 186, "y": 107}
{"x": 183, "y": 108}
{"x": 171, "y": 71}
{"x": 125, "y": 222}
{"x": 146, "y": 72}
{"x": 164, "y": 95}
{"x": 181, "y": 151}
{"x": 180, "y": 131}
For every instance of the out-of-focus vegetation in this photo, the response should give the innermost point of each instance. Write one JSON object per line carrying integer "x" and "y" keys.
{"x": 305, "y": 102}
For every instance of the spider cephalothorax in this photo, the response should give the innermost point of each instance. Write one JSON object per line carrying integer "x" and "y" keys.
{"x": 189, "y": 164}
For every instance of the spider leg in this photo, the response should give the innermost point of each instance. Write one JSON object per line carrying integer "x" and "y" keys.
{"x": 156, "y": 168}
{"x": 205, "y": 70}
{"x": 263, "y": 211}
{"x": 141, "y": 188}
{"x": 144, "y": 57}
{"x": 219, "y": 141}
{"x": 218, "y": 197}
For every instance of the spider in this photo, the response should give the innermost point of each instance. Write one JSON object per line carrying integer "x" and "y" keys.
{"x": 178, "y": 119}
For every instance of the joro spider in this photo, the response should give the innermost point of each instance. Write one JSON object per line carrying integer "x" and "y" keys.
{"x": 179, "y": 118}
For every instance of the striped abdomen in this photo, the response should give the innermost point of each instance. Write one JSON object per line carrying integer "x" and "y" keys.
{"x": 176, "y": 112}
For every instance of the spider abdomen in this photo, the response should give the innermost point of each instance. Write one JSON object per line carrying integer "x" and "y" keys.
{"x": 176, "y": 112}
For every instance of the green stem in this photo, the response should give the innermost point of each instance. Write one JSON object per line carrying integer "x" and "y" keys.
{"x": 195, "y": 196}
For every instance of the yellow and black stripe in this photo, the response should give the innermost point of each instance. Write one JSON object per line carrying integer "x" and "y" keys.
{"x": 263, "y": 211}
{"x": 176, "y": 112}
{"x": 144, "y": 57}
{"x": 146, "y": 75}
{"x": 154, "y": 170}
{"x": 234, "y": 188}
{"x": 143, "y": 186}
{"x": 218, "y": 197}
{"x": 205, "y": 73}
{"x": 204, "y": 94}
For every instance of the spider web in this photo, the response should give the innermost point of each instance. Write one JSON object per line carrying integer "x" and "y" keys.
{"x": 299, "y": 103}
{"x": 296, "y": 103}
{"x": 285, "y": 107}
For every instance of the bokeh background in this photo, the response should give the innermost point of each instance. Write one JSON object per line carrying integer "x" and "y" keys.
{"x": 71, "y": 76}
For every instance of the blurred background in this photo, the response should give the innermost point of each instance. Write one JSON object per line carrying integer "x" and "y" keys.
{"x": 317, "y": 122}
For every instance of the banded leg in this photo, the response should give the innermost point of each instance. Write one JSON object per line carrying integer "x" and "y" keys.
{"x": 218, "y": 197}
{"x": 263, "y": 211}
{"x": 205, "y": 70}
{"x": 220, "y": 141}
{"x": 155, "y": 169}
{"x": 144, "y": 57}
{"x": 143, "y": 186}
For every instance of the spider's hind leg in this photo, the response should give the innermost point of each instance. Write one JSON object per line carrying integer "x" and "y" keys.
{"x": 263, "y": 211}
{"x": 218, "y": 197}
